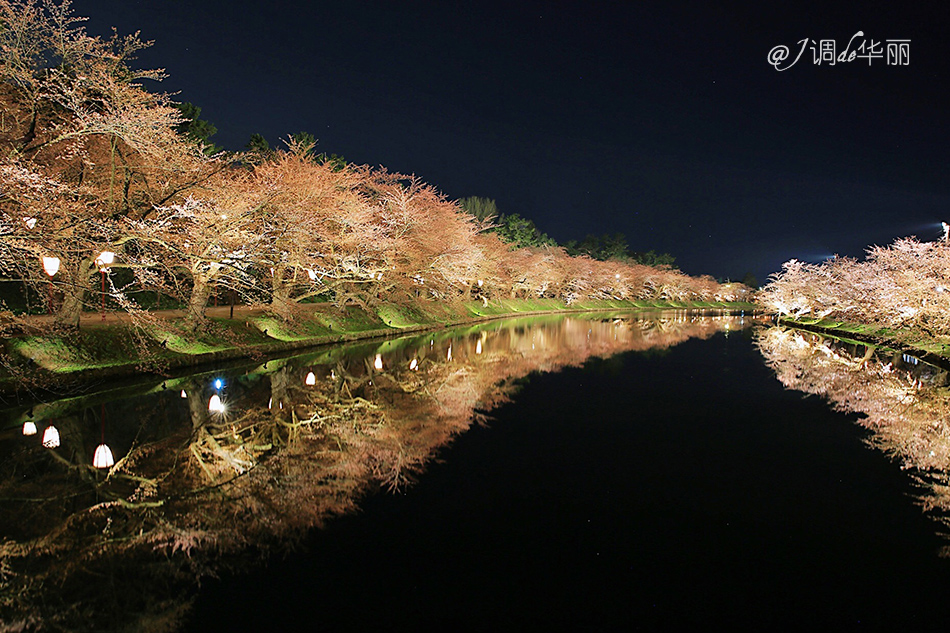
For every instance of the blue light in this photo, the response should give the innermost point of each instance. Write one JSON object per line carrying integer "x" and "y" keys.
{"x": 218, "y": 383}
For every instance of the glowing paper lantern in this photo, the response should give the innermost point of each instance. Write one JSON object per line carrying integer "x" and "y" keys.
{"x": 51, "y": 265}
{"x": 378, "y": 363}
{"x": 215, "y": 404}
{"x": 29, "y": 428}
{"x": 51, "y": 437}
{"x": 105, "y": 259}
{"x": 311, "y": 379}
{"x": 103, "y": 457}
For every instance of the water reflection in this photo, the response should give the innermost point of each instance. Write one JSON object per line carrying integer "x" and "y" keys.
{"x": 903, "y": 401}
{"x": 214, "y": 470}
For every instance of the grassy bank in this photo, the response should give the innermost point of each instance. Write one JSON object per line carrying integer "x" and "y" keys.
{"x": 933, "y": 349}
{"x": 119, "y": 348}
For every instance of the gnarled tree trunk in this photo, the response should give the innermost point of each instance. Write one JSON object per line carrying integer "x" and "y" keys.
{"x": 200, "y": 293}
{"x": 74, "y": 282}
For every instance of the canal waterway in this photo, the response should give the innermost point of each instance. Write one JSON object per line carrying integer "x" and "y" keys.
{"x": 598, "y": 472}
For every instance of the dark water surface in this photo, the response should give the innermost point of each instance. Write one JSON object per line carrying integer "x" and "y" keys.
{"x": 673, "y": 483}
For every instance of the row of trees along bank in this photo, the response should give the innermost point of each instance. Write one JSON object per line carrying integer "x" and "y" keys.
{"x": 94, "y": 167}
{"x": 904, "y": 285}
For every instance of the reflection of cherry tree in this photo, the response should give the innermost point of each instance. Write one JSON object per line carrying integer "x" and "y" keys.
{"x": 904, "y": 403}
{"x": 297, "y": 443}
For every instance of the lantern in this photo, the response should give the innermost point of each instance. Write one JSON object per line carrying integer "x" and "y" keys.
{"x": 105, "y": 259}
{"x": 103, "y": 457}
{"x": 215, "y": 405}
{"x": 51, "y": 437}
{"x": 51, "y": 265}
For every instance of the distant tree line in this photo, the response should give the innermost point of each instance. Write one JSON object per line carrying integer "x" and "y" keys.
{"x": 520, "y": 231}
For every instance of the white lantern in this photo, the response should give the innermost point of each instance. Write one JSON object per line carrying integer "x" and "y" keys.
{"x": 51, "y": 437}
{"x": 215, "y": 405}
{"x": 311, "y": 379}
{"x": 29, "y": 428}
{"x": 103, "y": 457}
{"x": 51, "y": 265}
{"x": 105, "y": 259}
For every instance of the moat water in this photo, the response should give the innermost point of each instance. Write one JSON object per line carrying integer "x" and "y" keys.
{"x": 596, "y": 472}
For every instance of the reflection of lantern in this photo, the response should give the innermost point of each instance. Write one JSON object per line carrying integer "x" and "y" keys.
{"x": 51, "y": 437}
{"x": 215, "y": 404}
{"x": 413, "y": 364}
{"x": 51, "y": 265}
{"x": 378, "y": 363}
{"x": 311, "y": 379}
{"x": 478, "y": 347}
{"x": 449, "y": 355}
{"x": 103, "y": 457}
{"x": 29, "y": 428}
{"x": 105, "y": 259}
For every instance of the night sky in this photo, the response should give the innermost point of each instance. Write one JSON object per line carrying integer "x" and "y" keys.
{"x": 662, "y": 120}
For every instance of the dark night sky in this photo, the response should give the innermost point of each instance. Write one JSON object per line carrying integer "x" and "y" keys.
{"x": 660, "y": 120}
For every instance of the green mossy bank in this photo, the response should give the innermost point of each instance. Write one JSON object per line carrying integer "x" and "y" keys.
{"x": 120, "y": 348}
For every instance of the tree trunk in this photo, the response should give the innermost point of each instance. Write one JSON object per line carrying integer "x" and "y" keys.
{"x": 75, "y": 285}
{"x": 281, "y": 303}
{"x": 200, "y": 293}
